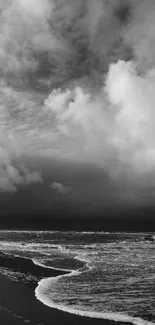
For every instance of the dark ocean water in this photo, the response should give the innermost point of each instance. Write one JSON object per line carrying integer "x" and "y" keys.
{"x": 111, "y": 275}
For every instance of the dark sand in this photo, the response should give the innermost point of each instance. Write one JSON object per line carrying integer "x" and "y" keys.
{"x": 19, "y": 306}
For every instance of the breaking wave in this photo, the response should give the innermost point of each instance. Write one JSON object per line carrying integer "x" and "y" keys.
{"x": 41, "y": 294}
{"x": 107, "y": 275}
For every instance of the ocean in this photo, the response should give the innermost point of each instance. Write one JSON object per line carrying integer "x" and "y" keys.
{"x": 108, "y": 275}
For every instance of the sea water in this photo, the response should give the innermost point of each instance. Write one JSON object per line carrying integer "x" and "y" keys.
{"x": 110, "y": 275}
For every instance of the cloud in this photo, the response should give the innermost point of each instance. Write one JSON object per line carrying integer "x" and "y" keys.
{"x": 45, "y": 43}
{"x": 37, "y": 8}
{"x": 139, "y": 34}
{"x": 12, "y": 176}
{"x": 12, "y": 144}
{"x": 25, "y": 31}
{"x": 60, "y": 188}
{"x": 116, "y": 124}
{"x": 77, "y": 82}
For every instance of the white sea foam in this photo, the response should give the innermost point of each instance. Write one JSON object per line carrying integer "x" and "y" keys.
{"x": 40, "y": 295}
{"x": 44, "y": 284}
{"x": 50, "y": 267}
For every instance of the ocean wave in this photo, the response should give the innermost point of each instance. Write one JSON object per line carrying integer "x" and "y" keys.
{"x": 50, "y": 267}
{"x": 117, "y": 317}
{"x": 44, "y": 284}
{"x": 105, "y": 257}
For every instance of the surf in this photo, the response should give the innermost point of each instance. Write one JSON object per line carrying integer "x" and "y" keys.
{"x": 44, "y": 284}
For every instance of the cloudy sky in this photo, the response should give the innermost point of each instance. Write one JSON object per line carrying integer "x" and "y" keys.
{"x": 77, "y": 85}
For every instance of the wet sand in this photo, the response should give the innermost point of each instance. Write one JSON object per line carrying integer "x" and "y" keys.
{"x": 18, "y": 304}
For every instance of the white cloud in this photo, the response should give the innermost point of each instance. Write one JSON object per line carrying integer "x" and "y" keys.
{"x": 60, "y": 188}
{"x": 11, "y": 176}
{"x": 38, "y": 8}
{"x": 116, "y": 125}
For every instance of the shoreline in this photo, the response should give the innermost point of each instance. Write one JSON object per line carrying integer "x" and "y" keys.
{"x": 20, "y": 301}
{"x": 18, "y": 304}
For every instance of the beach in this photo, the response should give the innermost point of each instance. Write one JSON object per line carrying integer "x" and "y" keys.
{"x": 18, "y": 304}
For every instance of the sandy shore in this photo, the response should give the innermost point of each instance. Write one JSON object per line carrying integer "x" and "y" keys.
{"x": 19, "y": 306}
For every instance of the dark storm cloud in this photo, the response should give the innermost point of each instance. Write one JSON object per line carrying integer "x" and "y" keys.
{"x": 92, "y": 31}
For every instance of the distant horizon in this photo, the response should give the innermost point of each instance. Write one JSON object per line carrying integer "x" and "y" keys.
{"x": 114, "y": 224}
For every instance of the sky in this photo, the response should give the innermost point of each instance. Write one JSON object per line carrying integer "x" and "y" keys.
{"x": 77, "y": 117}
